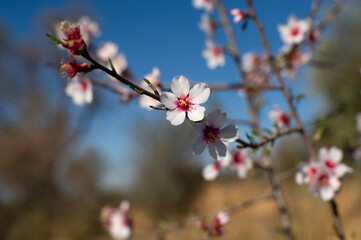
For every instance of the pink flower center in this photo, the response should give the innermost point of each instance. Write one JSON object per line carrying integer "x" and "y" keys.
{"x": 329, "y": 163}
{"x": 184, "y": 103}
{"x": 294, "y": 31}
{"x": 323, "y": 179}
{"x": 210, "y": 134}
{"x": 84, "y": 85}
{"x": 285, "y": 119}
{"x": 217, "y": 51}
{"x": 238, "y": 158}
{"x": 312, "y": 172}
{"x": 217, "y": 165}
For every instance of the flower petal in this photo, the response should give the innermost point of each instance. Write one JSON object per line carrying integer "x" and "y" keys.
{"x": 210, "y": 172}
{"x": 229, "y": 133}
{"x": 169, "y": 100}
{"x": 180, "y": 86}
{"x": 327, "y": 193}
{"x": 216, "y": 119}
{"x": 197, "y": 130}
{"x": 199, "y": 93}
{"x": 336, "y": 154}
{"x": 199, "y": 146}
{"x": 176, "y": 117}
{"x": 217, "y": 149}
{"x": 342, "y": 169}
{"x": 197, "y": 113}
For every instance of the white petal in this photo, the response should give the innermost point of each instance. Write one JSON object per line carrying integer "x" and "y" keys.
{"x": 169, "y": 100}
{"x": 176, "y": 117}
{"x": 197, "y": 130}
{"x": 217, "y": 149}
{"x": 327, "y": 193}
{"x": 229, "y": 133}
{"x": 216, "y": 119}
{"x": 210, "y": 172}
{"x": 197, "y": 113}
{"x": 199, "y": 93}
{"x": 336, "y": 154}
{"x": 180, "y": 86}
{"x": 323, "y": 154}
{"x": 342, "y": 169}
{"x": 199, "y": 146}
{"x": 334, "y": 183}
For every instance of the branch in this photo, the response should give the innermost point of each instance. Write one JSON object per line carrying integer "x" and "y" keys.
{"x": 337, "y": 220}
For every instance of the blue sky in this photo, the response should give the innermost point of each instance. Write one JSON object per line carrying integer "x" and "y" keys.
{"x": 162, "y": 33}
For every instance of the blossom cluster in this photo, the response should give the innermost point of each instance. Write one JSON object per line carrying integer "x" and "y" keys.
{"x": 116, "y": 221}
{"x": 324, "y": 175}
{"x": 216, "y": 228}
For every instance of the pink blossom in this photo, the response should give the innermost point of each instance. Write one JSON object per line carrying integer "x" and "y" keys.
{"x": 80, "y": 90}
{"x": 213, "y": 54}
{"x": 238, "y": 14}
{"x": 207, "y": 25}
{"x": 242, "y": 162}
{"x": 154, "y": 78}
{"x": 221, "y": 219}
{"x": 120, "y": 63}
{"x": 184, "y": 101}
{"x": 209, "y": 133}
{"x": 294, "y": 31}
{"x": 325, "y": 184}
{"x": 203, "y": 4}
{"x": 71, "y": 68}
{"x": 279, "y": 117}
{"x": 116, "y": 221}
{"x": 292, "y": 60}
{"x": 73, "y": 40}
{"x": 331, "y": 161}
{"x": 106, "y": 50}
{"x": 211, "y": 171}
{"x": 306, "y": 172}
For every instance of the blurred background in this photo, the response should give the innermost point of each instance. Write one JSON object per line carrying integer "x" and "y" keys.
{"x": 61, "y": 163}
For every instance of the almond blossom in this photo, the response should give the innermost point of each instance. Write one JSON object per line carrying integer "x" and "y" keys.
{"x": 116, "y": 221}
{"x": 292, "y": 60}
{"x": 211, "y": 171}
{"x": 221, "y": 219}
{"x": 207, "y": 25}
{"x": 256, "y": 68}
{"x": 120, "y": 63}
{"x": 325, "y": 174}
{"x": 279, "y": 117}
{"x": 242, "y": 162}
{"x": 184, "y": 101}
{"x": 71, "y": 68}
{"x": 73, "y": 40}
{"x": 210, "y": 133}
{"x": 238, "y": 14}
{"x": 331, "y": 160}
{"x": 154, "y": 78}
{"x": 203, "y": 4}
{"x": 294, "y": 31}
{"x": 106, "y": 50}
{"x": 213, "y": 54}
{"x": 80, "y": 90}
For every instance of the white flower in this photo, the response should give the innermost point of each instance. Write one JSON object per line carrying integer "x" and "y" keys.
{"x": 106, "y": 50}
{"x": 306, "y": 172}
{"x": 116, "y": 221}
{"x": 325, "y": 184}
{"x": 213, "y": 54}
{"x": 242, "y": 162}
{"x": 203, "y": 4}
{"x": 256, "y": 68}
{"x": 209, "y": 132}
{"x": 331, "y": 161}
{"x": 154, "y": 78}
{"x": 184, "y": 102}
{"x": 292, "y": 62}
{"x": 88, "y": 28}
{"x": 238, "y": 14}
{"x": 80, "y": 90}
{"x": 210, "y": 171}
{"x": 207, "y": 25}
{"x": 279, "y": 117}
{"x": 221, "y": 219}
{"x": 295, "y": 30}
